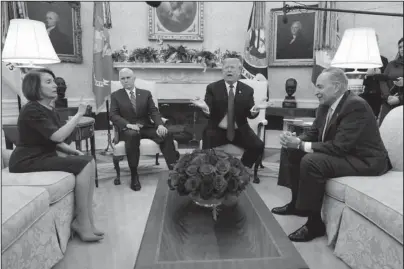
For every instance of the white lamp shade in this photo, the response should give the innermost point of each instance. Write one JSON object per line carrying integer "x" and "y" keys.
{"x": 28, "y": 42}
{"x": 358, "y": 50}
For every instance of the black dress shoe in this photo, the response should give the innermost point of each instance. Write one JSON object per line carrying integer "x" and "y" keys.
{"x": 135, "y": 184}
{"x": 289, "y": 209}
{"x": 307, "y": 233}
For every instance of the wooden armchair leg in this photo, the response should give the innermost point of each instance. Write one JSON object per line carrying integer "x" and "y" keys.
{"x": 257, "y": 164}
{"x": 116, "y": 160}
{"x": 157, "y": 158}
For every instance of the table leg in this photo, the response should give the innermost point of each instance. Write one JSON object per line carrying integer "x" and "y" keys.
{"x": 78, "y": 145}
{"x": 86, "y": 145}
{"x": 92, "y": 146}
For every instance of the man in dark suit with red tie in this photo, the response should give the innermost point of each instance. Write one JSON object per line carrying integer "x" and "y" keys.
{"x": 136, "y": 116}
{"x": 344, "y": 140}
{"x": 228, "y": 103}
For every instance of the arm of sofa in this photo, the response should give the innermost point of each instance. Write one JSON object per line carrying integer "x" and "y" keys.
{"x": 5, "y": 157}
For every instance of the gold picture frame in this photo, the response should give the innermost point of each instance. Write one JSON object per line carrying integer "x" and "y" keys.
{"x": 177, "y": 21}
{"x": 286, "y": 49}
{"x": 66, "y": 32}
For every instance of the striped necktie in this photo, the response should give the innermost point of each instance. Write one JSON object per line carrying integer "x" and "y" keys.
{"x": 133, "y": 100}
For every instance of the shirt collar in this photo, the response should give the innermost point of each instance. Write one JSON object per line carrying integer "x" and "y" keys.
{"x": 234, "y": 85}
{"x": 50, "y": 29}
{"x": 128, "y": 91}
{"x": 336, "y": 102}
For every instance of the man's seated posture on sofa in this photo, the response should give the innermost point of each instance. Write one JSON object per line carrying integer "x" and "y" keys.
{"x": 343, "y": 141}
{"x": 131, "y": 111}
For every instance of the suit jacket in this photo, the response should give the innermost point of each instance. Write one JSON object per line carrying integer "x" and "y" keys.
{"x": 216, "y": 98}
{"x": 352, "y": 133}
{"x": 123, "y": 113}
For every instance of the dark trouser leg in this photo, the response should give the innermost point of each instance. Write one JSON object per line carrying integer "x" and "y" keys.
{"x": 253, "y": 146}
{"x": 166, "y": 144}
{"x": 132, "y": 143}
{"x": 315, "y": 170}
{"x": 288, "y": 176}
{"x": 213, "y": 137}
{"x": 289, "y": 170}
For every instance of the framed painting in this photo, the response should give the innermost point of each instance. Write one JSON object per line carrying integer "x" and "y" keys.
{"x": 176, "y": 21}
{"x": 62, "y": 21}
{"x": 292, "y": 38}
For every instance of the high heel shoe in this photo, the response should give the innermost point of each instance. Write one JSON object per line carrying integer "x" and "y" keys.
{"x": 98, "y": 232}
{"x": 90, "y": 237}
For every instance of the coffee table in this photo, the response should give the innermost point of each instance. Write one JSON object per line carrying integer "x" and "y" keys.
{"x": 182, "y": 235}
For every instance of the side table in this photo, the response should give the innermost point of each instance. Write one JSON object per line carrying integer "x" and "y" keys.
{"x": 84, "y": 131}
{"x": 297, "y": 125}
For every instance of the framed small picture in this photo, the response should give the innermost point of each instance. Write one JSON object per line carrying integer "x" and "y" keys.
{"x": 292, "y": 38}
{"x": 176, "y": 21}
{"x": 62, "y": 21}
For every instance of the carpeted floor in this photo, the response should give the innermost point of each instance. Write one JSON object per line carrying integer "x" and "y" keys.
{"x": 123, "y": 213}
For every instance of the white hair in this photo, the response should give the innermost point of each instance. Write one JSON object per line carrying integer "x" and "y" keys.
{"x": 337, "y": 75}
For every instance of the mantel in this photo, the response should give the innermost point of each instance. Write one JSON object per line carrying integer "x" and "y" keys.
{"x": 133, "y": 65}
{"x": 174, "y": 80}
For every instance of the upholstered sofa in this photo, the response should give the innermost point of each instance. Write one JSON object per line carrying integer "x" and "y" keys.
{"x": 37, "y": 210}
{"x": 364, "y": 215}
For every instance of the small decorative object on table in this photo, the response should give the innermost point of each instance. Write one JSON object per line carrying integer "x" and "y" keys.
{"x": 210, "y": 177}
{"x": 290, "y": 88}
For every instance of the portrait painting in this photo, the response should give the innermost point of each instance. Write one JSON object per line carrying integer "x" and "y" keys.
{"x": 62, "y": 22}
{"x": 292, "y": 40}
{"x": 176, "y": 21}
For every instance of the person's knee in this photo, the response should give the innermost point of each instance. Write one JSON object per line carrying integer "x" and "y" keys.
{"x": 311, "y": 163}
{"x": 132, "y": 135}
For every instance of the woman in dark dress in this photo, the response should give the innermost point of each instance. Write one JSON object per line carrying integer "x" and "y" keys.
{"x": 42, "y": 135}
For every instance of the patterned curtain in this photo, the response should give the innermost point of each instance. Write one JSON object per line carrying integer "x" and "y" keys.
{"x": 327, "y": 35}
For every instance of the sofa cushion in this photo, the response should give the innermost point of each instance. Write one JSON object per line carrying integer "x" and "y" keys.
{"x": 380, "y": 200}
{"x": 21, "y": 208}
{"x": 391, "y": 132}
{"x": 58, "y": 184}
{"x": 336, "y": 187}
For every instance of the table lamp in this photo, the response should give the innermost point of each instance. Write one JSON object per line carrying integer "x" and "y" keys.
{"x": 358, "y": 50}
{"x": 27, "y": 45}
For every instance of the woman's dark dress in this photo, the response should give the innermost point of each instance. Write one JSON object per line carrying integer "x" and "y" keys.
{"x": 35, "y": 151}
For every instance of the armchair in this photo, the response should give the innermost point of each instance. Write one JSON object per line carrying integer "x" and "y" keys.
{"x": 147, "y": 146}
{"x": 258, "y": 124}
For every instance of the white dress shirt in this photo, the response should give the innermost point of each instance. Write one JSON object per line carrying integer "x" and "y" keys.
{"x": 223, "y": 122}
{"x": 307, "y": 145}
{"x": 50, "y": 29}
{"x": 128, "y": 92}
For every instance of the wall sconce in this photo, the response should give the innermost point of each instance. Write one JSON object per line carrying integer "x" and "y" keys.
{"x": 358, "y": 50}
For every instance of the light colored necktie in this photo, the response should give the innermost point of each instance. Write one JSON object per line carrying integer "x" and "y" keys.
{"x": 230, "y": 115}
{"x": 327, "y": 121}
{"x": 133, "y": 100}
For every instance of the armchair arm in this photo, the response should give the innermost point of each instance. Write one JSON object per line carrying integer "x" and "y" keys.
{"x": 261, "y": 126}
